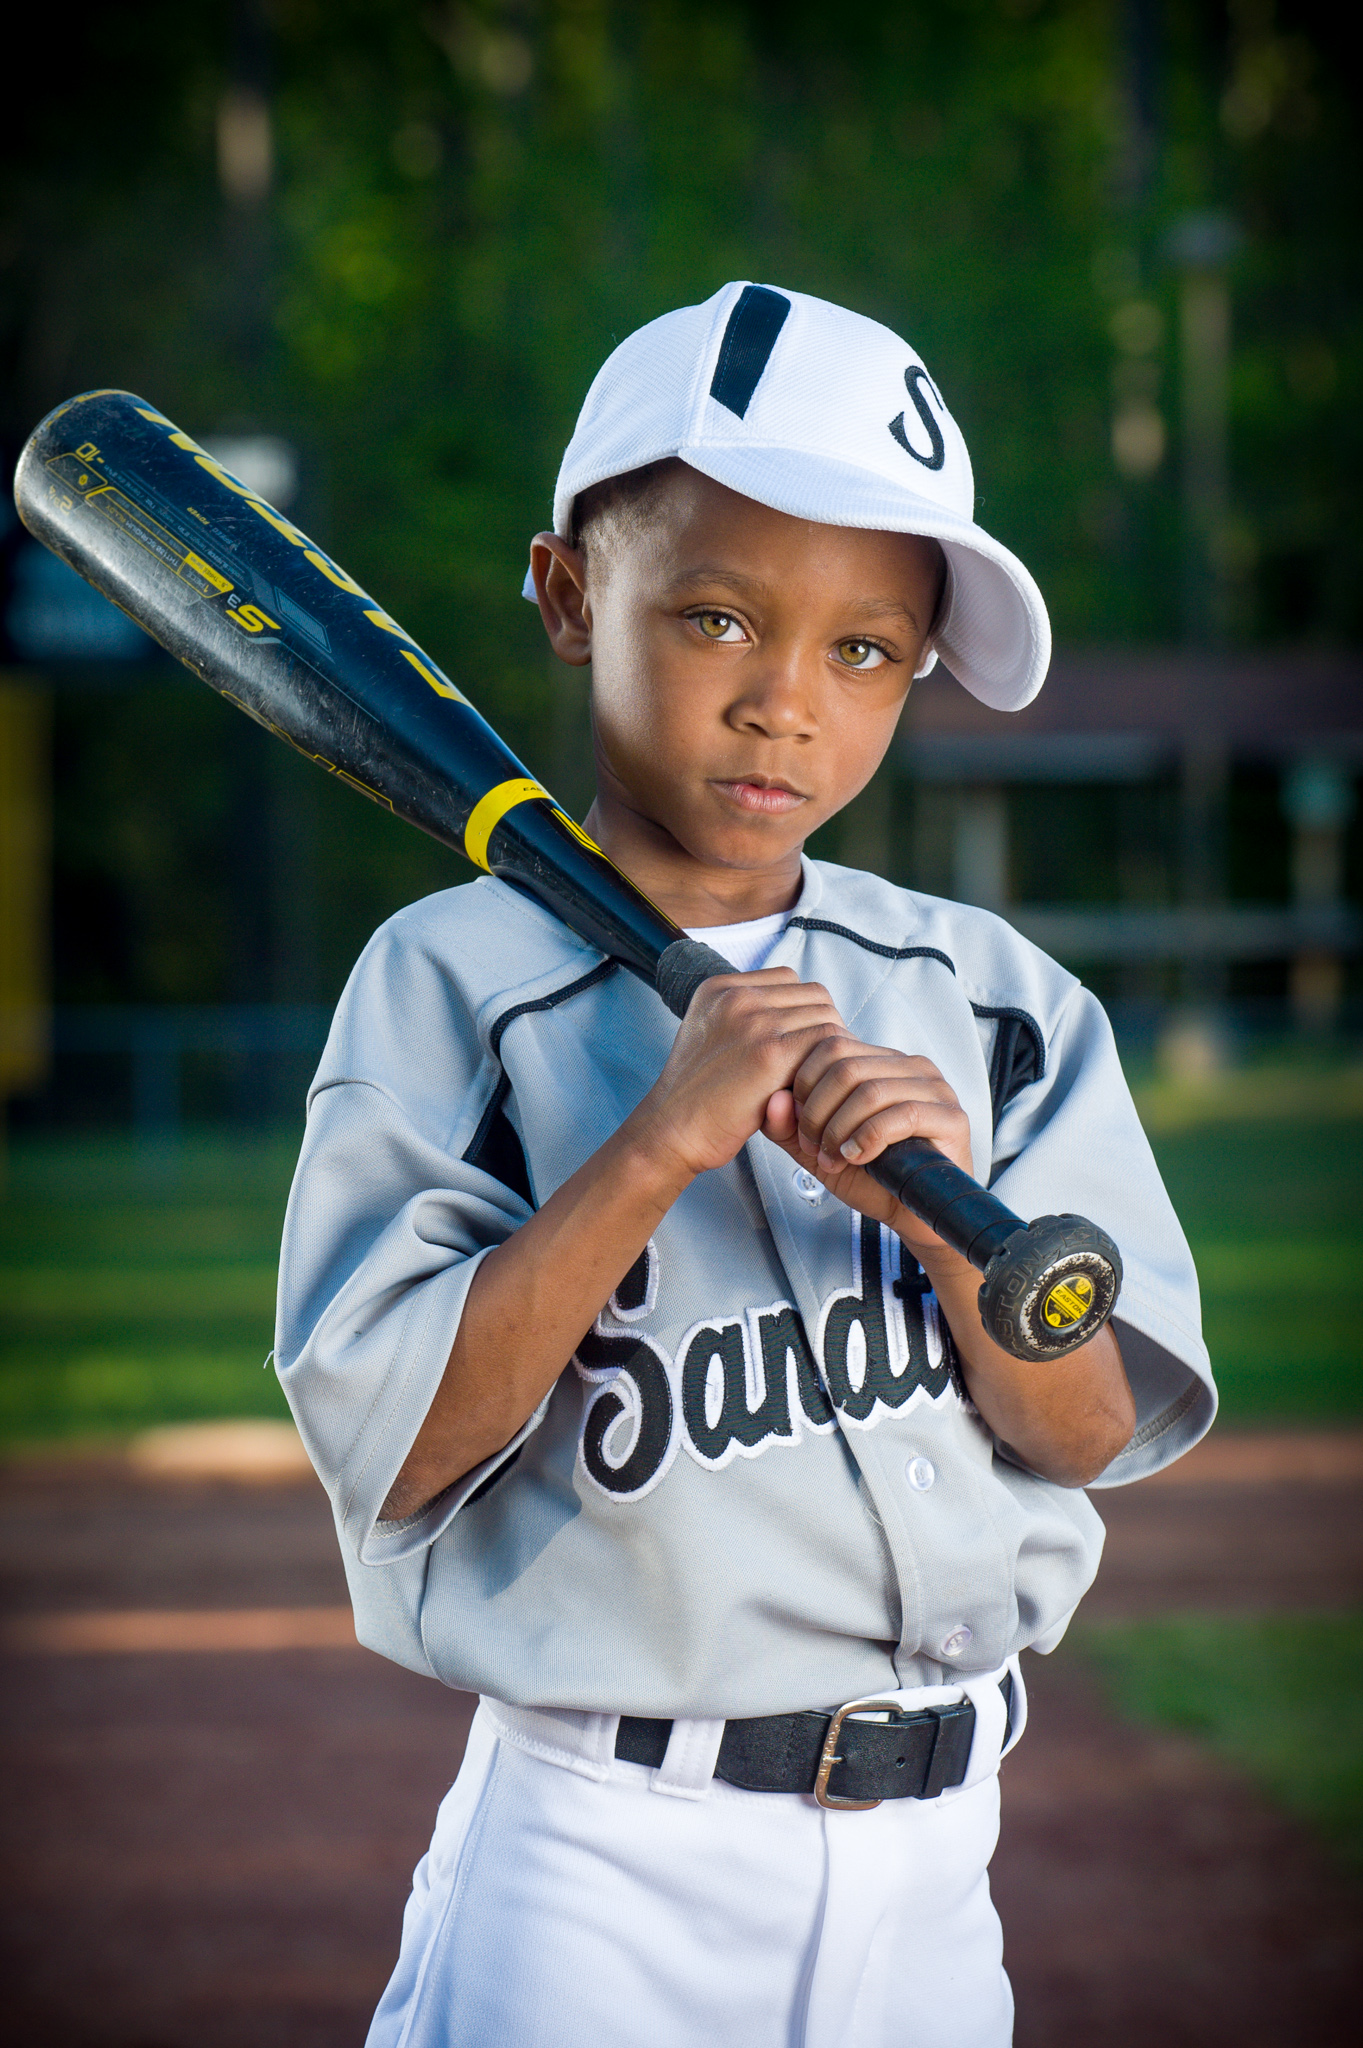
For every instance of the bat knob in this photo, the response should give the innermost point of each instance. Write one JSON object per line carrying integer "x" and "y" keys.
{"x": 1050, "y": 1287}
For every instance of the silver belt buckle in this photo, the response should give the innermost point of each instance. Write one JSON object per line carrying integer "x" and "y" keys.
{"x": 829, "y": 1755}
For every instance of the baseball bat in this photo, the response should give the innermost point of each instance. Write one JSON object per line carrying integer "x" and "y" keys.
{"x": 253, "y": 607}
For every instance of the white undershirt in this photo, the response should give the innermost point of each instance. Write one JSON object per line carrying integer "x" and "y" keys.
{"x": 749, "y": 945}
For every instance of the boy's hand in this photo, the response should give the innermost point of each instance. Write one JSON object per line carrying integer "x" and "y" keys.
{"x": 847, "y": 1102}
{"x": 740, "y": 1047}
{"x": 766, "y": 1052}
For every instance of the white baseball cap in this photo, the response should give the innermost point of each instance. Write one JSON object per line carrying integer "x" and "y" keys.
{"x": 828, "y": 416}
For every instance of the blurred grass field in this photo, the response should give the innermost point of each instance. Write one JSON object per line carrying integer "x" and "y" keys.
{"x": 1220, "y": 1678}
{"x": 140, "y": 1289}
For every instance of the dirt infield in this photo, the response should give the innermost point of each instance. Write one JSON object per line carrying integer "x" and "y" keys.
{"x": 209, "y": 1832}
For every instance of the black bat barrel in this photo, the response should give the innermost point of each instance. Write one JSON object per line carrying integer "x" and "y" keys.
{"x": 240, "y": 595}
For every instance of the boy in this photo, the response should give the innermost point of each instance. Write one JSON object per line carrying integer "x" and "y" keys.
{"x": 646, "y": 1413}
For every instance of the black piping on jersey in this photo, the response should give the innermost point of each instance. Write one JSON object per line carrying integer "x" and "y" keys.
{"x": 1019, "y": 1055}
{"x": 1018, "y": 1058}
{"x": 602, "y": 969}
{"x": 494, "y": 1148}
{"x": 842, "y": 931}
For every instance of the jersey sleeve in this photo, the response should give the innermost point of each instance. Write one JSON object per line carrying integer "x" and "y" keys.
{"x": 387, "y": 1223}
{"x": 1071, "y": 1142}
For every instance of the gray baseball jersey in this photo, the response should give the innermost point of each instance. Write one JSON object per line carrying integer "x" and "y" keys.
{"x": 760, "y": 1485}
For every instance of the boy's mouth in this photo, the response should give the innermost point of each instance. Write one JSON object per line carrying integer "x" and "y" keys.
{"x": 762, "y": 793}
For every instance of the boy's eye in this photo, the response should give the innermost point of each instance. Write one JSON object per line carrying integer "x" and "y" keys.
{"x": 718, "y": 626}
{"x": 861, "y": 653}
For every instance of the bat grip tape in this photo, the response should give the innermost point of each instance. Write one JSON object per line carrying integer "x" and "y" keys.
{"x": 682, "y": 967}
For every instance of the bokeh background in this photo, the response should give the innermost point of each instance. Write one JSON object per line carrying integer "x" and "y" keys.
{"x": 371, "y": 252}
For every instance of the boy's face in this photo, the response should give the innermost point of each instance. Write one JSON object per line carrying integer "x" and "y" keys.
{"x": 747, "y": 670}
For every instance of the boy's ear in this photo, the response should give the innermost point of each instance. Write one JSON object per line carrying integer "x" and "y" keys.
{"x": 560, "y": 575}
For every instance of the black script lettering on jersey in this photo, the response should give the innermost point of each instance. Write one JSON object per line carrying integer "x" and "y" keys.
{"x": 914, "y": 379}
{"x": 781, "y": 1334}
{"x": 740, "y": 1383}
{"x": 864, "y": 1311}
{"x": 637, "y": 1292}
{"x": 919, "y": 1372}
{"x": 736, "y": 1422}
{"x": 653, "y": 1398}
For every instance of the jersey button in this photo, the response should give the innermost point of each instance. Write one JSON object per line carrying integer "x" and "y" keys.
{"x": 920, "y": 1473}
{"x": 956, "y": 1641}
{"x": 807, "y": 1188}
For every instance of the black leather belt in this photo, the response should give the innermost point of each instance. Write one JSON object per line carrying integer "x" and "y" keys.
{"x": 842, "y": 1760}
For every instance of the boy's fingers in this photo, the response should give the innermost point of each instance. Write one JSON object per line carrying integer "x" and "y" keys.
{"x": 778, "y": 1123}
{"x": 762, "y": 976}
{"x": 861, "y": 1130}
{"x": 770, "y": 984}
{"x": 840, "y": 1063}
{"x": 795, "y": 1015}
{"x": 785, "y": 1050}
{"x": 845, "y": 1181}
{"x": 742, "y": 1002}
{"x": 842, "y": 1047}
{"x": 871, "y": 1078}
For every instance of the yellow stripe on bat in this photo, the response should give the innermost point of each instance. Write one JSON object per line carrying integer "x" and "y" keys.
{"x": 488, "y": 812}
{"x": 437, "y": 683}
{"x": 582, "y": 838}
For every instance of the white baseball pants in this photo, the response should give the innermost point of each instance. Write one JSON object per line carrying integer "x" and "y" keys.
{"x": 569, "y": 1900}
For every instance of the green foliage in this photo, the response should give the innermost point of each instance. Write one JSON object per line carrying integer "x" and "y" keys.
{"x": 1221, "y": 1678}
{"x": 474, "y": 199}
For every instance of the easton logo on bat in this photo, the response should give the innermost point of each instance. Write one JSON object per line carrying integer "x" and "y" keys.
{"x": 1068, "y": 1302}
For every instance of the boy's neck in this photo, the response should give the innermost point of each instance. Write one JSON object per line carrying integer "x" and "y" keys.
{"x": 693, "y": 893}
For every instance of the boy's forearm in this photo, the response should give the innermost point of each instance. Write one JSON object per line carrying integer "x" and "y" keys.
{"x": 1067, "y": 1419}
{"x": 531, "y": 1302}
{"x": 535, "y": 1297}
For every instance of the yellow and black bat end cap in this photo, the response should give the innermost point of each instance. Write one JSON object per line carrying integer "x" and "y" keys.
{"x": 1051, "y": 1287}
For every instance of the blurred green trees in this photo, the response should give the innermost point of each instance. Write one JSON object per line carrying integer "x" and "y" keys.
{"x": 404, "y": 233}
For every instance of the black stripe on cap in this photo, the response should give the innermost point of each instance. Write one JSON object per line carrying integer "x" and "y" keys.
{"x": 746, "y": 349}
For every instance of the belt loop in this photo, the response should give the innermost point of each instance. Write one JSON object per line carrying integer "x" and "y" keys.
{"x": 1014, "y": 1688}
{"x": 575, "y": 1740}
{"x": 687, "y": 1770}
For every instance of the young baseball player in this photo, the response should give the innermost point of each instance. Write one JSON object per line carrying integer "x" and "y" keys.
{"x": 645, "y": 1412}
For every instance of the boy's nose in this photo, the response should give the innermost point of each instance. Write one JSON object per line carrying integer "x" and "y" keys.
{"x": 776, "y": 700}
